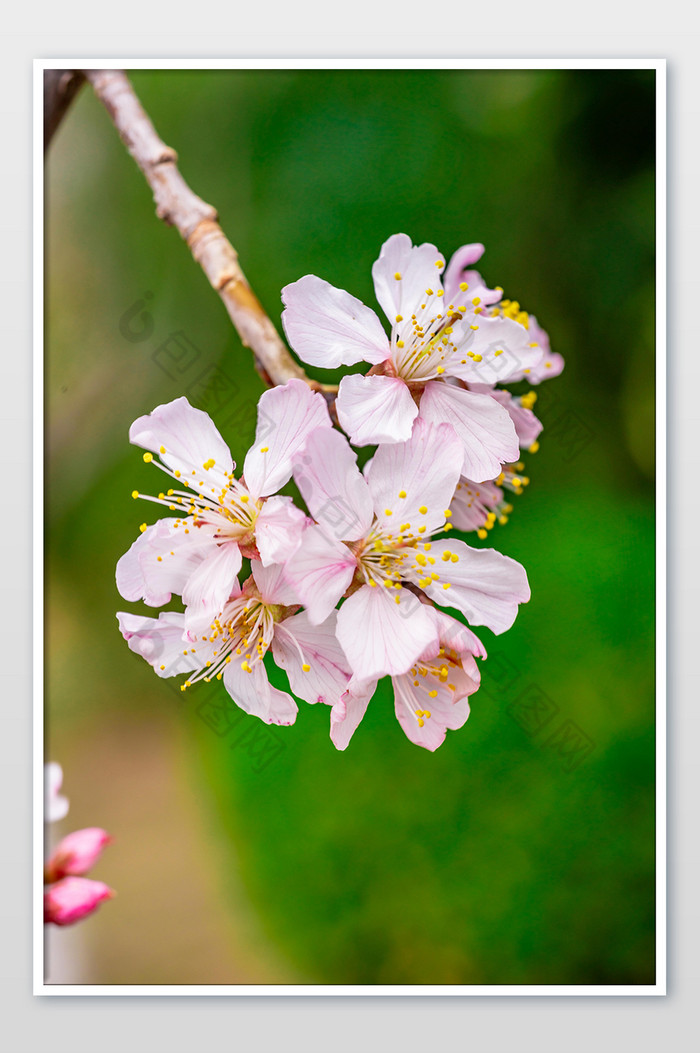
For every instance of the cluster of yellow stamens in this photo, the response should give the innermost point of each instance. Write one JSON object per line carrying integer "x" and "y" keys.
{"x": 424, "y": 344}
{"x": 511, "y": 309}
{"x": 227, "y": 505}
{"x": 242, "y": 632}
{"x": 423, "y": 676}
{"x": 393, "y": 559}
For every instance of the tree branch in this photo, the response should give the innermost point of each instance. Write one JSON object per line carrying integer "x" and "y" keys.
{"x": 197, "y": 223}
{"x": 60, "y": 88}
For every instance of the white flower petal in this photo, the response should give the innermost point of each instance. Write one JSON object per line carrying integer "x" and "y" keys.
{"x": 162, "y": 560}
{"x": 286, "y": 417}
{"x": 416, "y": 270}
{"x": 375, "y": 409}
{"x": 486, "y": 431}
{"x": 278, "y": 530}
{"x": 484, "y": 585}
{"x": 210, "y": 586}
{"x": 328, "y": 327}
{"x": 297, "y": 643}
{"x": 274, "y": 584}
{"x": 161, "y": 641}
{"x": 254, "y": 693}
{"x": 332, "y": 485}
{"x": 320, "y": 572}
{"x": 420, "y": 474}
{"x": 55, "y": 805}
{"x": 189, "y": 437}
{"x": 349, "y": 711}
{"x": 381, "y": 637}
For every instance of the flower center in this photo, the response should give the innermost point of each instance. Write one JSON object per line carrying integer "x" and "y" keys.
{"x": 241, "y": 633}
{"x": 424, "y": 344}
{"x": 214, "y": 499}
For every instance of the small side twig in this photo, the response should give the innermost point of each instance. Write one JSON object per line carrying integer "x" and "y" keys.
{"x": 197, "y": 223}
{"x": 60, "y": 88}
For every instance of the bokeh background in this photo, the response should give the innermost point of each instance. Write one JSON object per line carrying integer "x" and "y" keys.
{"x": 523, "y": 850}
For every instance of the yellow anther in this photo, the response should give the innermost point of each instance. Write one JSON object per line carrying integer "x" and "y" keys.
{"x": 387, "y": 584}
{"x": 421, "y": 530}
{"x": 402, "y": 493}
{"x": 421, "y": 722}
{"x": 440, "y": 369}
{"x": 397, "y": 599}
{"x": 397, "y": 276}
{"x": 143, "y": 527}
{"x": 446, "y": 555}
{"x": 447, "y": 526}
{"x": 177, "y": 473}
{"x": 448, "y": 513}
{"x": 161, "y": 449}
{"x": 399, "y": 318}
{"x": 429, "y": 292}
{"x": 160, "y": 559}
{"x": 454, "y": 558}
{"x": 503, "y": 520}
{"x": 421, "y": 559}
{"x": 244, "y": 499}
{"x": 432, "y": 694}
{"x": 134, "y": 494}
{"x": 148, "y": 457}
{"x": 446, "y": 585}
{"x": 209, "y": 464}
{"x": 305, "y": 668}
{"x": 264, "y": 449}
{"x": 482, "y": 533}
{"x": 534, "y": 448}
{"x": 423, "y": 509}
{"x": 399, "y": 343}
{"x": 388, "y": 512}
{"x": 439, "y": 263}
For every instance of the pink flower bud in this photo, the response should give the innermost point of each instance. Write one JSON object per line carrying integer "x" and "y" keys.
{"x": 76, "y": 853}
{"x": 73, "y": 898}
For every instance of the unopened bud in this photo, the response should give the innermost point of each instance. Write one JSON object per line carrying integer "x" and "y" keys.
{"x": 73, "y": 899}
{"x": 77, "y": 853}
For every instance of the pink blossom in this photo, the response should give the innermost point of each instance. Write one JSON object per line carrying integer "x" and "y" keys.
{"x": 430, "y": 698}
{"x": 263, "y": 615}
{"x": 438, "y": 334}
{"x": 373, "y": 538}
{"x": 551, "y": 363}
{"x": 55, "y": 805}
{"x": 220, "y": 518}
{"x": 478, "y": 506}
{"x": 72, "y": 899}
{"x": 77, "y": 853}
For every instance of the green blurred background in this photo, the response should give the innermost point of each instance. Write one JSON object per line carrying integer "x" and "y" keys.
{"x": 520, "y": 852}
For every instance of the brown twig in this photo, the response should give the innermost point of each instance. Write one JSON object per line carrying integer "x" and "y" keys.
{"x": 197, "y": 223}
{"x": 60, "y": 88}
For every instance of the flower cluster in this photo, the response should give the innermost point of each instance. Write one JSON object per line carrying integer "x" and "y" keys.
{"x": 69, "y": 895}
{"x": 348, "y": 590}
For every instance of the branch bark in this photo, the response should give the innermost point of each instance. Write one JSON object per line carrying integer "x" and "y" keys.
{"x": 197, "y": 223}
{"x": 60, "y": 88}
